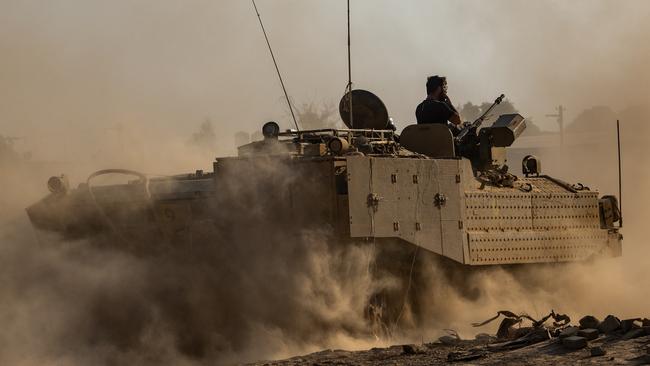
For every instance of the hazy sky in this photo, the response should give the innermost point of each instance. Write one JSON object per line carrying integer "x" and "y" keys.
{"x": 167, "y": 65}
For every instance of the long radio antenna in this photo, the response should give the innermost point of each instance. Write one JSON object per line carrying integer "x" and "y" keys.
{"x": 286, "y": 95}
{"x": 349, "y": 87}
{"x": 620, "y": 180}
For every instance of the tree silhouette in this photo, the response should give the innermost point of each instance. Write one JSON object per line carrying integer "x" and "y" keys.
{"x": 593, "y": 119}
{"x": 311, "y": 117}
{"x": 205, "y": 139}
{"x": 470, "y": 112}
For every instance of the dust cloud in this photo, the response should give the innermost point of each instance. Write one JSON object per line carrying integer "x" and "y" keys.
{"x": 86, "y": 86}
{"x": 226, "y": 296}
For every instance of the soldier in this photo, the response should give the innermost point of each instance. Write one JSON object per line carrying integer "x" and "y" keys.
{"x": 437, "y": 108}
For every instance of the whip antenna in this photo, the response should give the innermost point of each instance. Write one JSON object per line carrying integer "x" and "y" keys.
{"x": 620, "y": 181}
{"x": 349, "y": 87}
{"x": 276, "y": 66}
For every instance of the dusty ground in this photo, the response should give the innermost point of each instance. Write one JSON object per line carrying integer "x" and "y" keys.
{"x": 619, "y": 351}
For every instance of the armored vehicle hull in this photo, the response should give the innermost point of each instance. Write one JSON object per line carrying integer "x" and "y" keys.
{"x": 436, "y": 204}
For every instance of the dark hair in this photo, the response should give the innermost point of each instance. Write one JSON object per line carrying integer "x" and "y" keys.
{"x": 433, "y": 82}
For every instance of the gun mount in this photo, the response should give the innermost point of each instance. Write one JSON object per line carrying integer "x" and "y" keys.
{"x": 493, "y": 140}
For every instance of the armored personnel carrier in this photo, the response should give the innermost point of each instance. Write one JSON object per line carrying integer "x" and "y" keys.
{"x": 450, "y": 194}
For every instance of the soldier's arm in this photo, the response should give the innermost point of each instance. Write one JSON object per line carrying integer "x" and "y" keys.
{"x": 455, "y": 118}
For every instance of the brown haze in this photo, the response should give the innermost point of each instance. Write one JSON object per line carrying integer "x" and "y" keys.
{"x": 91, "y": 85}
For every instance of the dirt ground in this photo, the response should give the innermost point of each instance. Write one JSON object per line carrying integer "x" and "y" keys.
{"x": 618, "y": 351}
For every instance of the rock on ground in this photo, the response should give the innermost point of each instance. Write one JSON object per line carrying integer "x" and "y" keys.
{"x": 589, "y": 322}
{"x": 610, "y": 324}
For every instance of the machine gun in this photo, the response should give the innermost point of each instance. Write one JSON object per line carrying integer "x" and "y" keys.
{"x": 462, "y": 135}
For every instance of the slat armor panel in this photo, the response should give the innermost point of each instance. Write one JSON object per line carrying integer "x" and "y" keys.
{"x": 498, "y": 211}
{"x": 498, "y": 247}
{"x": 547, "y": 224}
{"x": 565, "y": 210}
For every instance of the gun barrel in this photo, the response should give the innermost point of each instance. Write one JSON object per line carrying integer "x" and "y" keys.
{"x": 496, "y": 102}
{"x": 477, "y": 123}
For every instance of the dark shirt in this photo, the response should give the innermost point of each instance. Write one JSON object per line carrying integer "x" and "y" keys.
{"x": 433, "y": 111}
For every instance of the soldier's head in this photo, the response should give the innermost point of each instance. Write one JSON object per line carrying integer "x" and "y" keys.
{"x": 436, "y": 85}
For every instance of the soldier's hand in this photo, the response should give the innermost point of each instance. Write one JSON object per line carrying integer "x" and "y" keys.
{"x": 445, "y": 98}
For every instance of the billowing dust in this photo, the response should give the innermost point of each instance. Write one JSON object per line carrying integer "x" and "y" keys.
{"x": 250, "y": 295}
{"x": 247, "y": 293}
